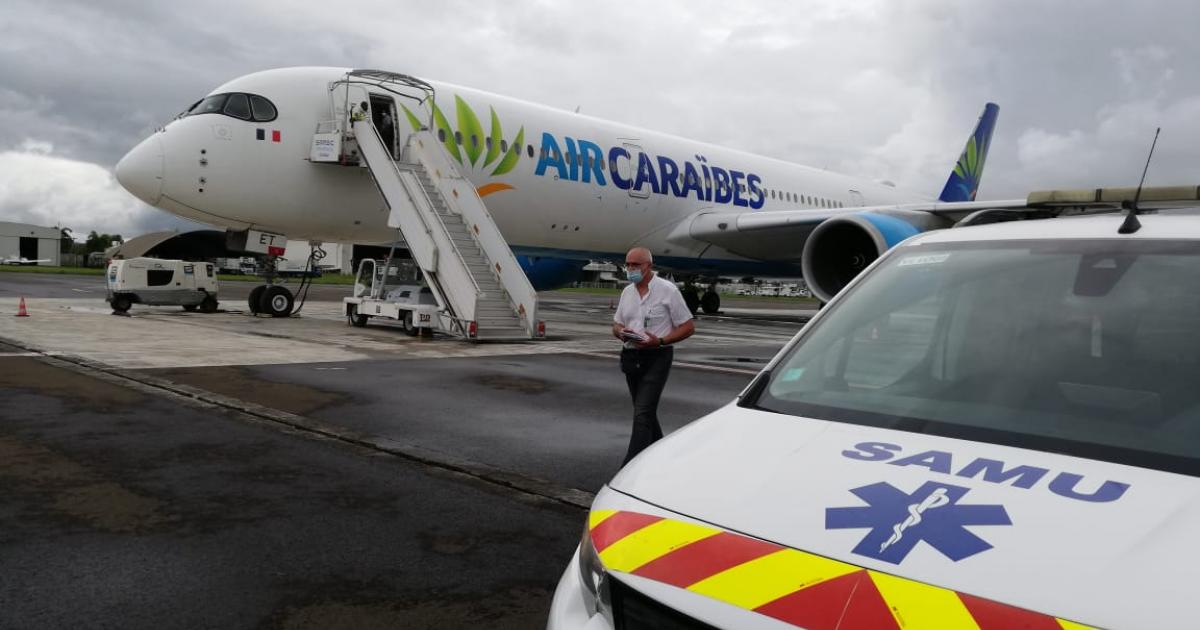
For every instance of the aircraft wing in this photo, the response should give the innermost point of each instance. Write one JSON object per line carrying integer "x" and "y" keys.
{"x": 722, "y": 227}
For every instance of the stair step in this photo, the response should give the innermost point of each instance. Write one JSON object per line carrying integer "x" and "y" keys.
{"x": 497, "y": 320}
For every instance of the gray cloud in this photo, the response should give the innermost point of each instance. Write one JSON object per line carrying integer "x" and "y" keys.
{"x": 875, "y": 88}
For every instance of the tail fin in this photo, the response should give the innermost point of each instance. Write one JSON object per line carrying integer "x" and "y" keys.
{"x": 964, "y": 181}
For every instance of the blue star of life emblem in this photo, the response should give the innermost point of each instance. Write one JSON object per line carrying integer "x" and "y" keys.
{"x": 899, "y": 521}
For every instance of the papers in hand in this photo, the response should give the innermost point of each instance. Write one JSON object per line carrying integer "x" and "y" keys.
{"x": 630, "y": 335}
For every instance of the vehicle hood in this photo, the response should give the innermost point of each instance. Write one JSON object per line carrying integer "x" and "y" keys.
{"x": 1093, "y": 542}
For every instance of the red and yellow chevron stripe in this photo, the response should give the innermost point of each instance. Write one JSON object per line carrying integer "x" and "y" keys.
{"x": 792, "y": 586}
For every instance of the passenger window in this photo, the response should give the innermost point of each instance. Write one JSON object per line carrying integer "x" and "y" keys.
{"x": 530, "y": 151}
{"x": 474, "y": 141}
{"x": 159, "y": 277}
{"x": 209, "y": 270}
{"x": 263, "y": 109}
{"x": 458, "y": 138}
{"x": 504, "y": 146}
{"x": 487, "y": 142}
{"x": 772, "y": 193}
{"x": 441, "y": 135}
{"x": 238, "y": 106}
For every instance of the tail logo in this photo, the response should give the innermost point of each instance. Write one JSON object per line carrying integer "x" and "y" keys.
{"x": 964, "y": 180}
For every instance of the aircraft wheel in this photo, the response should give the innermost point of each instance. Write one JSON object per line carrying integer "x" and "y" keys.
{"x": 276, "y": 301}
{"x": 191, "y": 308}
{"x": 691, "y": 299}
{"x": 710, "y": 303}
{"x": 208, "y": 305}
{"x": 410, "y": 328}
{"x": 255, "y": 298}
{"x": 121, "y": 303}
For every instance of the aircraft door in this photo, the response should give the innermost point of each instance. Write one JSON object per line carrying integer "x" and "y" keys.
{"x": 856, "y": 199}
{"x": 383, "y": 115}
{"x": 345, "y": 100}
{"x": 631, "y": 173}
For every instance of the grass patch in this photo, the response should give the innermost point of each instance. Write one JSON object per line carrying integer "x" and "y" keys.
{"x": 589, "y": 290}
{"x": 74, "y": 271}
{"x": 333, "y": 278}
{"x": 725, "y": 297}
{"x": 784, "y": 300}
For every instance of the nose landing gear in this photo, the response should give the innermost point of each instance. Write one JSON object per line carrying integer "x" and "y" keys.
{"x": 271, "y": 299}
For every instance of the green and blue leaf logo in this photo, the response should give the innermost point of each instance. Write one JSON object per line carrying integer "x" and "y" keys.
{"x": 469, "y": 146}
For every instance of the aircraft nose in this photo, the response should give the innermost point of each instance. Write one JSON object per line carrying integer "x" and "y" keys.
{"x": 141, "y": 170}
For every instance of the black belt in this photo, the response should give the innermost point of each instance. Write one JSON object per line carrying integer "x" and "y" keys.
{"x": 648, "y": 350}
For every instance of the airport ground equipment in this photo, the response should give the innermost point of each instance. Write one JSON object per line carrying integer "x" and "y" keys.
{"x": 155, "y": 282}
{"x": 405, "y": 301}
{"x": 480, "y": 289}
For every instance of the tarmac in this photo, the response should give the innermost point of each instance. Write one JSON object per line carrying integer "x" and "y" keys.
{"x": 174, "y": 469}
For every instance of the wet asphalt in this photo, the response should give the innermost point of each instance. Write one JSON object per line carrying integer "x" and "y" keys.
{"x": 564, "y": 418}
{"x": 126, "y": 508}
{"x": 129, "y": 510}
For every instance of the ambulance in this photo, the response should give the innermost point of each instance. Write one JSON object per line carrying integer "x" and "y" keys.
{"x": 991, "y": 427}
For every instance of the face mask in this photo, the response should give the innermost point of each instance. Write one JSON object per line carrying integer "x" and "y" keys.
{"x": 635, "y": 276}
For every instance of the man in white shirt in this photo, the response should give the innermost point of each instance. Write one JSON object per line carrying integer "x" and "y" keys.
{"x": 651, "y": 316}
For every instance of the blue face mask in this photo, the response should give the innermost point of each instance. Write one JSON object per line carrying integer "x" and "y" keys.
{"x": 635, "y": 276}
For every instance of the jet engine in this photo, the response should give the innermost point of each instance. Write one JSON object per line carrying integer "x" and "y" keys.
{"x": 841, "y": 247}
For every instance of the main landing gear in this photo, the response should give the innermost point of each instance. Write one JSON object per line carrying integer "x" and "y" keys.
{"x": 709, "y": 302}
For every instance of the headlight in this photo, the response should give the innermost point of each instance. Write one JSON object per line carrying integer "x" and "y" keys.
{"x": 593, "y": 577}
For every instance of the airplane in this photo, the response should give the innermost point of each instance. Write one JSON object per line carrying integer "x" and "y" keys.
{"x": 564, "y": 188}
{"x": 21, "y": 260}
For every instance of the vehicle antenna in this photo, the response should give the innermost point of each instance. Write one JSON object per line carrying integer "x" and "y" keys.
{"x": 1131, "y": 223}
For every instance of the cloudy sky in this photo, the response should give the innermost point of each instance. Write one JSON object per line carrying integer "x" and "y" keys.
{"x": 886, "y": 89}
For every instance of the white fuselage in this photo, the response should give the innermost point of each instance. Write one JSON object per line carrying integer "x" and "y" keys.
{"x": 239, "y": 174}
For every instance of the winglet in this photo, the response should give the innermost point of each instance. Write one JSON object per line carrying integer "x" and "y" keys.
{"x": 964, "y": 180}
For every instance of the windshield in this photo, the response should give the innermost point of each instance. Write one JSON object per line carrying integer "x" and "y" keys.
{"x": 237, "y": 105}
{"x": 1088, "y": 348}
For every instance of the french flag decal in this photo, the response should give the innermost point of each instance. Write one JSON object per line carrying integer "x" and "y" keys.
{"x": 276, "y": 136}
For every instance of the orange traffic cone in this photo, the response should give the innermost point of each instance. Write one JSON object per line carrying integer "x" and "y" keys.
{"x": 21, "y": 312}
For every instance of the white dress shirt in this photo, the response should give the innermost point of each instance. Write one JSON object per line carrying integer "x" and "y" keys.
{"x": 658, "y": 312}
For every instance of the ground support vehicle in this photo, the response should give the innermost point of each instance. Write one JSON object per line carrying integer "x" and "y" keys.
{"x": 155, "y": 282}
{"x": 405, "y": 300}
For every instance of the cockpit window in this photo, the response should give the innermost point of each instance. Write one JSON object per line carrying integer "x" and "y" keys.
{"x": 264, "y": 110}
{"x": 236, "y": 105}
{"x": 210, "y": 105}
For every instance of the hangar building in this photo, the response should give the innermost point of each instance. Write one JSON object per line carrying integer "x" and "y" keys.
{"x": 32, "y": 242}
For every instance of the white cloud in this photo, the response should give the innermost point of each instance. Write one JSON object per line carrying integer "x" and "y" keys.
{"x": 887, "y": 90}
{"x": 39, "y": 187}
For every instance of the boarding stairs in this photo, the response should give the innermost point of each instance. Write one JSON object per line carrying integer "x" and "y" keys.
{"x": 482, "y": 292}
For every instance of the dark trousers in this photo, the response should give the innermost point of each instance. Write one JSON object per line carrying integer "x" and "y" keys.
{"x": 646, "y": 373}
